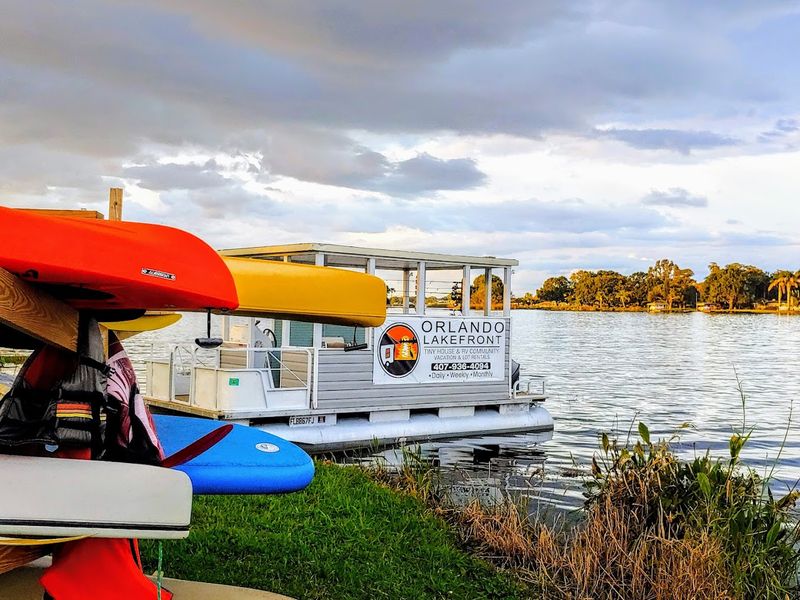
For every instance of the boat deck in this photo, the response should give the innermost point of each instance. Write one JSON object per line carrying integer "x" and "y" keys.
{"x": 216, "y": 413}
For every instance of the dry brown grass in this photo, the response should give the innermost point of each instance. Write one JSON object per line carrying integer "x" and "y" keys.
{"x": 500, "y": 533}
{"x": 606, "y": 557}
{"x": 610, "y": 556}
{"x": 614, "y": 553}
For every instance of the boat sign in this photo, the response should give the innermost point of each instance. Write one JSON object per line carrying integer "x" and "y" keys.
{"x": 410, "y": 349}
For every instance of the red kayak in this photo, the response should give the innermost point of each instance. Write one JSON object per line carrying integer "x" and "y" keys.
{"x": 115, "y": 265}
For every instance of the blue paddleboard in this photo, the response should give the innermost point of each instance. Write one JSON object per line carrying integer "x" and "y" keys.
{"x": 246, "y": 461}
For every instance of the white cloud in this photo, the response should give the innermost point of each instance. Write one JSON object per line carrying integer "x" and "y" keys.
{"x": 674, "y": 197}
{"x": 568, "y": 134}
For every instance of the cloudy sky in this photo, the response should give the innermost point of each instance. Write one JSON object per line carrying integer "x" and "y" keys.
{"x": 566, "y": 134}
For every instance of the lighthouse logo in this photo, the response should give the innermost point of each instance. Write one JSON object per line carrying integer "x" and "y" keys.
{"x": 398, "y": 350}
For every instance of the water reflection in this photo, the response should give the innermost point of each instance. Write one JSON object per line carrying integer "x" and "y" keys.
{"x": 490, "y": 469}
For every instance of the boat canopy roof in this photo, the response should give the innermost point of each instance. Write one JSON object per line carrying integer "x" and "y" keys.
{"x": 355, "y": 257}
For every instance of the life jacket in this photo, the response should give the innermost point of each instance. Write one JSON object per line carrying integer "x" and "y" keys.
{"x": 81, "y": 402}
{"x": 130, "y": 432}
{"x": 58, "y": 399}
{"x": 80, "y": 405}
{"x": 99, "y": 569}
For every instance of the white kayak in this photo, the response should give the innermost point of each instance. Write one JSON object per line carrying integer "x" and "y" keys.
{"x": 61, "y": 497}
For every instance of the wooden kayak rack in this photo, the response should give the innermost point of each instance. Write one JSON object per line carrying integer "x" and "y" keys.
{"x": 28, "y": 314}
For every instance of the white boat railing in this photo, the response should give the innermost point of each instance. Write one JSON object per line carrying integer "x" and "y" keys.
{"x": 293, "y": 372}
{"x": 529, "y": 385}
{"x": 277, "y": 371}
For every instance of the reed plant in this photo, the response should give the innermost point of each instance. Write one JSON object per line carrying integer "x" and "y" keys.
{"x": 654, "y": 527}
{"x": 714, "y": 519}
{"x": 416, "y": 475}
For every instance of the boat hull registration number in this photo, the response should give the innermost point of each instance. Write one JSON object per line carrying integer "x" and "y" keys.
{"x": 305, "y": 420}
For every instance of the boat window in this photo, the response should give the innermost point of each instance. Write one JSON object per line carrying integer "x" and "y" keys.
{"x": 302, "y": 334}
{"x": 343, "y": 334}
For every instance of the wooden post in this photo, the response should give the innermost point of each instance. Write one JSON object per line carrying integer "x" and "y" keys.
{"x": 115, "y": 204}
{"x": 37, "y": 314}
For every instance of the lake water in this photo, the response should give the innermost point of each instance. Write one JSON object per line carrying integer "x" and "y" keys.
{"x": 606, "y": 371}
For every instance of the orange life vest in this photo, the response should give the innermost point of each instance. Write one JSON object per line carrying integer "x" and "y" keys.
{"x": 99, "y": 569}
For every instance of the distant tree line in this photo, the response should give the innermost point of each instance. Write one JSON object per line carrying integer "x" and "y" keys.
{"x": 734, "y": 286}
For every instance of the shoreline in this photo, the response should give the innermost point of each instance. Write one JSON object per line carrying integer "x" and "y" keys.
{"x": 641, "y": 309}
{"x": 360, "y": 532}
{"x": 347, "y": 536}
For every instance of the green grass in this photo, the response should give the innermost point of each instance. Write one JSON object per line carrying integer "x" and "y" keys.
{"x": 344, "y": 537}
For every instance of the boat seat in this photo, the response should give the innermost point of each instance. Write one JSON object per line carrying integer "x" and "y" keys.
{"x": 333, "y": 342}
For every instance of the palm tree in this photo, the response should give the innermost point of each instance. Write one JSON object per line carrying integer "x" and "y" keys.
{"x": 600, "y": 296}
{"x": 792, "y": 283}
{"x": 624, "y": 297}
{"x": 780, "y": 284}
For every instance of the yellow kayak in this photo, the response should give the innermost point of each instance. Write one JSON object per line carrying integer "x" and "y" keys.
{"x": 306, "y": 293}
{"x": 147, "y": 322}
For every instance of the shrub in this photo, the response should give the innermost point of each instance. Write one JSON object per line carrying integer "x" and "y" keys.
{"x": 704, "y": 500}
